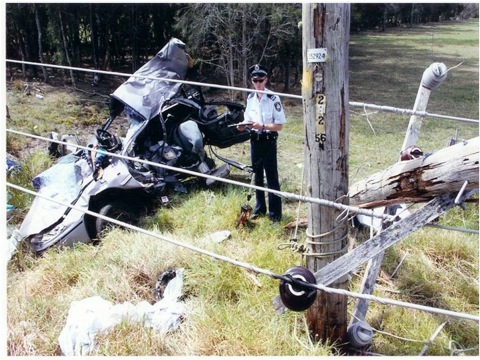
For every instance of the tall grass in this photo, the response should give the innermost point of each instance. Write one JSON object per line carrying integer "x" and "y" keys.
{"x": 228, "y": 308}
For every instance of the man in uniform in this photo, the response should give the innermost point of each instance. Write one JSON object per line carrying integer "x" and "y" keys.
{"x": 265, "y": 117}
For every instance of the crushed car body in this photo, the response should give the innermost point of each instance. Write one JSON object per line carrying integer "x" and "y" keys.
{"x": 169, "y": 124}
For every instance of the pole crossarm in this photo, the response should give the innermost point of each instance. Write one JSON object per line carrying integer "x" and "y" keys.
{"x": 388, "y": 237}
{"x": 379, "y": 243}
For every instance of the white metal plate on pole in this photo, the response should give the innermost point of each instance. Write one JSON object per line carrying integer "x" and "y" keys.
{"x": 316, "y": 55}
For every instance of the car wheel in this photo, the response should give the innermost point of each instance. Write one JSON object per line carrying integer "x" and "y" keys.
{"x": 117, "y": 211}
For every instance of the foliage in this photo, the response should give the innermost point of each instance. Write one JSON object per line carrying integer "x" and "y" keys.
{"x": 235, "y": 36}
{"x": 369, "y": 16}
{"x": 230, "y": 37}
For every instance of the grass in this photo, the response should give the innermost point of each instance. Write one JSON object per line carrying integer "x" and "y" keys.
{"x": 228, "y": 308}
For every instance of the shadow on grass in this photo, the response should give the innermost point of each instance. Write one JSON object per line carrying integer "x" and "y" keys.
{"x": 393, "y": 65}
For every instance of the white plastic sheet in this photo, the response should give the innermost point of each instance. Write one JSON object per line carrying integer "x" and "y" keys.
{"x": 94, "y": 315}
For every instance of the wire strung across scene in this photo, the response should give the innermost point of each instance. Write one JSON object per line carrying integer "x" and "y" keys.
{"x": 258, "y": 270}
{"x": 248, "y": 266}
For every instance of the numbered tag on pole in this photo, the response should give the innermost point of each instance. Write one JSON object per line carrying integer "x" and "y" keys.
{"x": 320, "y": 129}
{"x": 316, "y": 55}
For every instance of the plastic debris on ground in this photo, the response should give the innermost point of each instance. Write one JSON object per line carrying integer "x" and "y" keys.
{"x": 94, "y": 315}
{"x": 399, "y": 210}
{"x": 12, "y": 166}
{"x": 218, "y": 236}
{"x": 10, "y": 209}
{"x": 14, "y": 239}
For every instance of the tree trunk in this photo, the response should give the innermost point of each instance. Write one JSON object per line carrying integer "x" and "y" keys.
{"x": 286, "y": 75}
{"x": 21, "y": 46}
{"x": 39, "y": 38}
{"x": 411, "y": 15}
{"x": 65, "y": 45}
{"x": 325, "y": 94}
{"x": 243, "y": 61}
{"x": 231, "y": 72}
{"x": 384, "y": 19}
{"x": 133, "y": 32}
{"x": 93, "y": 26}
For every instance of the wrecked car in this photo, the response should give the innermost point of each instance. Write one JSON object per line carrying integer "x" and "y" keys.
{"x": 169, "y": 123}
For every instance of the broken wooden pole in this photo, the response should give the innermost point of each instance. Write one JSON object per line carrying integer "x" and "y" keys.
{"x": 381, "y": 242}
{"x": 390, "y": 236}
{"x": 421, "y": 179}
{"x": 325, "y": 95}
{"x": 370, "y": 278}
{"x": 432, "y": 77}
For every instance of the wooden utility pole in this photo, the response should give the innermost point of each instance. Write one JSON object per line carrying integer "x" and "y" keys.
{"x": 326, "y": 29}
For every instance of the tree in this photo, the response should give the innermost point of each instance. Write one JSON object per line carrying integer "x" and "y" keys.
{"x": 234, "y": 36}
{"x": 225, "y": 37}
{"x": 19, "y": 21}
{"x": 39, "y": 37}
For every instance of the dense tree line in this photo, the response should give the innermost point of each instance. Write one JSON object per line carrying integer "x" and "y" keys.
{"x": 224, "y": 39}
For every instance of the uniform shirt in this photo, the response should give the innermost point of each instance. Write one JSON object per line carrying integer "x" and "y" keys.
{"x": 266, "y": 110}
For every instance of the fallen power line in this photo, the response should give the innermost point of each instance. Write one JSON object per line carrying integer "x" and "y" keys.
{"x": 258, "y": 270}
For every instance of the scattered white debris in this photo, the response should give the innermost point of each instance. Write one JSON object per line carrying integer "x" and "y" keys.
{"x": 13, "y": 241}
{"x": 94, "y": 315}
{"x": 218, "y": 236}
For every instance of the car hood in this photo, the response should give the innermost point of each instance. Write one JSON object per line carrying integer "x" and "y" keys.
{"x": 144, "y": 94}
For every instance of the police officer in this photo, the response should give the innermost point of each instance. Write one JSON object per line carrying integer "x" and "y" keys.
{"x": 265, "y": 117}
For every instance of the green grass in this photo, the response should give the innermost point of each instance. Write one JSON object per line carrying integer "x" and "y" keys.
{"x": 229, "y": 309}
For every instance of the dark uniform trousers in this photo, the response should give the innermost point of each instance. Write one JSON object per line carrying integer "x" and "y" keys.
{"x": 264, "y": 159}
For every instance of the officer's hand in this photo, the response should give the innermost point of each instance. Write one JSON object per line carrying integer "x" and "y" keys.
{"x": 256, "y": 126}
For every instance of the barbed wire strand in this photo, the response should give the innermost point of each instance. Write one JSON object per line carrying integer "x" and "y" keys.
{"x": 292, "y": 96}
{"x": 224, "y": 258}
{"x": 256, "y": 269}
{"x": 229, "y": 181}
{"x": 454, "y": 352}
{"x": 430, "y": 341}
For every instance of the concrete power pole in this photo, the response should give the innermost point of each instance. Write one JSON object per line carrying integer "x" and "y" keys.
{"x": 326, "y": 29}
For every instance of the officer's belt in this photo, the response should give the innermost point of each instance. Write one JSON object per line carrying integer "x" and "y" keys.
{"x": 264, "y": 135}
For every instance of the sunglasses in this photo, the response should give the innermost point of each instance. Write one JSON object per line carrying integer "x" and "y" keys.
{"x": 258, "y": 80}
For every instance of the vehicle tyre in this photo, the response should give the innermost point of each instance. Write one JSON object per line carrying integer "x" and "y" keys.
{"x": 117, "y": 211}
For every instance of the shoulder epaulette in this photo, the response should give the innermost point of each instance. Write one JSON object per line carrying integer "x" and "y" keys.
{"x": 251, "y": 95}
{"x": 272, "y": 96}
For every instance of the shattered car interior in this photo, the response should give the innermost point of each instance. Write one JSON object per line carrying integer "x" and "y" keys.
{"x": 169, "y": 125}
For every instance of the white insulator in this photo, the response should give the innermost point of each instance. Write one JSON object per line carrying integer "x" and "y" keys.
{"x": 434, "y": 75}
{"x": 360, "y": 334}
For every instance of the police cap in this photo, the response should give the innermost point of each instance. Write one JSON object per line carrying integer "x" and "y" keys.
{"x": 258, "y": 71}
